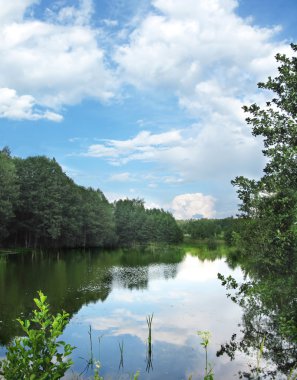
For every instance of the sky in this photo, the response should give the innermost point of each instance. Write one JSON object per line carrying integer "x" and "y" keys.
{"x": 142, "y": 98}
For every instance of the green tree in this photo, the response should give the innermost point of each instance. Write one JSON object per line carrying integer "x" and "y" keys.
{"x": 135, "y": 224}
{"x": 97, "y": 225}
{"x": 129, "y": 219}
{"x": 40, "y": 209}
{"x": 9, "y": 191}
{"x": 269, "y": 211}
{"x": 270, "y": 203}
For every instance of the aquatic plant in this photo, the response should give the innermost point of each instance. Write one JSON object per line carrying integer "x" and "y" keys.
{"x": 205, "y": 337}
{"x": 121, "y": 347}
{"x": 149, "y": 320}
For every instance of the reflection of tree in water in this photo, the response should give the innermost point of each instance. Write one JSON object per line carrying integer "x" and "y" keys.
{"x": 138, "y": 277}
{"x": 71, "y": 279}
{"x": 131, "y": 277}
{"x": 170, "y": 271}
{"x": 269, "y": 318}
{"x": 68, "y": 281}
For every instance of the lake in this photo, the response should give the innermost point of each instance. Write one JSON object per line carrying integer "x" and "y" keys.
{"x": 109, "y": 295}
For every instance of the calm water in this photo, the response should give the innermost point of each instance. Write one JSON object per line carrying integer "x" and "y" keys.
{"x": 113, "y": 292}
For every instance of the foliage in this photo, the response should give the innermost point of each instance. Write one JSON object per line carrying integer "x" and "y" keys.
{"x": 41, "y": 207}
{"x": 269, "y": 237}
{"x": 9, "y": 191}
{"x": 211, "y": 230}
{"x": 268, "y": 322}
{"x": 270, "y": 204}
{"x": 54, "y": 211}
{"x": 136, "y": 225}
{"x": 39, "y": 355}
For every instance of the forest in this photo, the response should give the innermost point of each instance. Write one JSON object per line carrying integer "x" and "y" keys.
{"x": 40, "y": 206}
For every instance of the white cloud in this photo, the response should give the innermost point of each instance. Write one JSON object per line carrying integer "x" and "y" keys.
{"x": 52, "y": 63}
{"x": 190, "y": 48}
{"x": 99, "y": 150}
{"x": 22, "y": 107}
{"x": 211, "y": 59}
{"x": 13, "y": 11}
{"x": 121, "y": 177}
{"x": 142, "y": 147}
{"x": 186, "y": 42}
{"x": 146, "y": 138}
{"x": 193, "y": 153}
{"x": 187, "y": 206}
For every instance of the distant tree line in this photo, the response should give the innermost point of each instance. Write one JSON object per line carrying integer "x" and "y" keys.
{"x": 227, "y": 229}
{"x": 40, "y": 206}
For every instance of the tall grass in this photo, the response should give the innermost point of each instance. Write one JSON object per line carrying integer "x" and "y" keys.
{"x": 149, "y": 359}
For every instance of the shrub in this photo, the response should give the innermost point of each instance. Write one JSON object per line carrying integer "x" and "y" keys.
{"x": 38, "y": 355}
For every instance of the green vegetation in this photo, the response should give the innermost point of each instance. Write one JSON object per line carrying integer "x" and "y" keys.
{"x": 149, "y": 357}
{"x": 41, "y": 207}
{"x": 212, "y": 230}
{"x": 38, "y": 355}
{"x": 134, "y": 224}
{"x": 269, "y": 238}
{"x": 208, "y": 371}
{"x": 269, "y": 205}
{"x": 9, "y": 191}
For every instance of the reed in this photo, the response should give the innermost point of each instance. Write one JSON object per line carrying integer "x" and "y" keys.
{"x": 259, "y": 356}
{"x": 91, "y": 345}
{"x": 149, "y": 321}
{"x": 149, "y": 364}
{"x": 121, "y": 347}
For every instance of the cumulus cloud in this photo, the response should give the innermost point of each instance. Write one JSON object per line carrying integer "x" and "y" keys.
{"x": 187, "y": 206}
{"x": 211, "y": 59}
{"x": 22, "y": 107}
{"x": 184, "y": 43}
{"x": 52, "y": 63}
{"x": 189, "y": 48}
{"x": 13, "y": 11}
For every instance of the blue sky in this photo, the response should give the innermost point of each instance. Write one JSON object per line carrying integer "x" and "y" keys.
{"x": 142, "y": 98}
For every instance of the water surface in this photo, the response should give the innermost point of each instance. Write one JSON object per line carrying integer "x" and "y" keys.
{"x": 110, "y": 294}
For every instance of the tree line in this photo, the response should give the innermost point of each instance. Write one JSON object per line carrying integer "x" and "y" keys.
{"x": 227, "y": 229}
{"x": 40, "y": 206}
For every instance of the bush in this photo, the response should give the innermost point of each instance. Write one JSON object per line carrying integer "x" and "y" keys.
{"x": 38, "y": 355}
